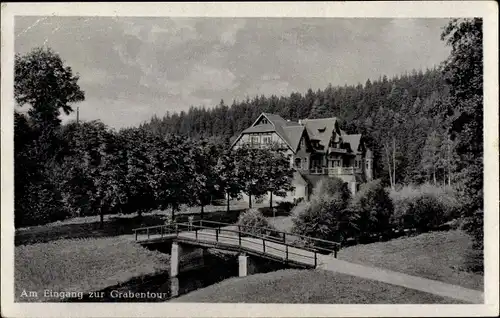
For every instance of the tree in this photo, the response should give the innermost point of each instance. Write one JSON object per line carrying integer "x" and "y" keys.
{"x": 249, "y": 169}
{"x": 90, "y": 168}
{"x": 464, "y": 109}
{"x": 205, "y": 183}
{"x": 229, "y": 180}
{"x": 318, "y": 109}
{"x": 176, "y": 168}
{"x": 43, "y": 82}
{"x": 431, "y": 157}
{"x": 374, "y": 209}
{"x": 277, "y": 174}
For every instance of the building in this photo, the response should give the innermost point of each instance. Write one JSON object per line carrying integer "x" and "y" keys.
{"x": 316, "y": 148}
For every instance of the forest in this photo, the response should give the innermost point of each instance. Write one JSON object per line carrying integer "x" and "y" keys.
{"x": 398, "y": 116}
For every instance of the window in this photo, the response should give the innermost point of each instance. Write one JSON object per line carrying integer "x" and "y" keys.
{"x": 335, "y": 163}
{"x": 305, "y": 164}
{"x": 367, "y": 164}
{"x": 267, "y": 139}
{"x": 254, "y": 140}
{"x": 298, "y": 163}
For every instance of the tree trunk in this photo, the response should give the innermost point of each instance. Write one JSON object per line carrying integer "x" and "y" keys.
{"x": 101, "y": 217}
{"x": 173, "y": 214}
{"x": 202, "y": 211}
{"x": 227, "y": 208}
{"x": 249, "y": 201}
{"x": 271, "y": 199}
{"x": 394, "y": 161}
{"x": 388, "y": 164}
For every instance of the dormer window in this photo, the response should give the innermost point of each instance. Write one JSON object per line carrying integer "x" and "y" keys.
{"x": 264, "y": 121}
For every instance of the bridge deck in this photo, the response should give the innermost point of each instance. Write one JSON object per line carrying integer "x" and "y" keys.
{"x": 232, "y": 237}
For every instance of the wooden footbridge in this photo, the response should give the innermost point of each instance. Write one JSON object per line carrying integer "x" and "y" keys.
{"x": 276, "y": 245}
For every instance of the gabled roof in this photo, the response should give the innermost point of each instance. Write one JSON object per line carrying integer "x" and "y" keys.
{"x": 353, "y": 140}
{"x": 259, "y": 128}
{"x": 320, "y": 129}
{"x": 294, "y": 134}
{"x": 289, "y": 131}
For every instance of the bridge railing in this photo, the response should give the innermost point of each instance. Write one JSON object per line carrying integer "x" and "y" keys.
{"x": 286, "y": 237}
{"x": 263, "y": 243}
{"x": 239, "y": 232}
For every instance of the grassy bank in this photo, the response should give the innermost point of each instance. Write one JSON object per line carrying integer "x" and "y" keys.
{"x": 82, "y": 265}
{"x": 307, "y": 286}
{"x": 435, "y": 255}
{"x": 114, "y": 225}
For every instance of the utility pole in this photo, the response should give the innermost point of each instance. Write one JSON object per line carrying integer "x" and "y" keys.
{"x": 77, "y": 114}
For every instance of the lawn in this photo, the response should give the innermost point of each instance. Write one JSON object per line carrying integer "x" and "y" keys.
{"x": 434, "y": 255}
{"x": 82, "y": 265}
{"x": 115, "y": 225}
{"x": 309, "y": 286}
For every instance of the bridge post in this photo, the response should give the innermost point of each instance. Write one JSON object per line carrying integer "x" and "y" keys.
{"x": 242, "y": 265}
{"x": 174, "y": 260}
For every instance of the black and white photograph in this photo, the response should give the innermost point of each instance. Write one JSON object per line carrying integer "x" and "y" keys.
{"x": 248, "y": 159}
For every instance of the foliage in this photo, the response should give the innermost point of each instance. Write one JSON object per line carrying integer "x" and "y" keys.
{"x": 277, "y": 174}
{"x": 374, "y": 209}
{"x": 464, "y": 109}
{"x": 446, "y": 196}
{"x": 229, "y": 180}
{"x": 253, "y": 221}
{"x": 43, "y": 82}
{"x": 422, "y": 212}
{"x": 261, "y": 171}
{"x": 206, "y": 183}
{"x": 326, "y": 216}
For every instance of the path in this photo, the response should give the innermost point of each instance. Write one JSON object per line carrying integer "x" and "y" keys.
{"x": 330, "y": 263}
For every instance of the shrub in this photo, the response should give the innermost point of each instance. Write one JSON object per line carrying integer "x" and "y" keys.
{"x": 326, "y": 215}
{"x": 424, "y": 213}
{"x": 333, "y": 187}
{"x": 374, "y": 209}
{"x": 447, "y": 197}
{"x": 254, "y": 222}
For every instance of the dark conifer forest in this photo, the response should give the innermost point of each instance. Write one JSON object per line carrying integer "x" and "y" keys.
{"x": 399, "y": 115}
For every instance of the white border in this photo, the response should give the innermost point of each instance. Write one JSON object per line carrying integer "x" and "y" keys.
{"x": 443, "y": 9}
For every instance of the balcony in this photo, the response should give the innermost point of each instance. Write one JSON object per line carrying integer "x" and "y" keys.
{"x": 335, "y": 171}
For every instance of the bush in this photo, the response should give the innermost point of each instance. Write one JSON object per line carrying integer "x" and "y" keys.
{"x": 447, "y": 197}
{"x": 254, "y": 222}
{"x": 374, "y": 210}
{"x": 424, "y": 213}
{"x": 334, "y": 188}
{"x": 325, "y": 216}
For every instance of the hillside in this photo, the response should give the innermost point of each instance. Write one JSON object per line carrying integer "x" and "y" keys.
{"x": 309, "y": 286}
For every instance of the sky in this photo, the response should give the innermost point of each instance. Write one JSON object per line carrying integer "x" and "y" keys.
{"x": 134, "y": 68}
